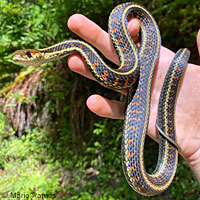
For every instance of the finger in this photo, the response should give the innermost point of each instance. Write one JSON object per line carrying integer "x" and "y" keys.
{"x": 93, "y": 34}
{"x": 76, "y": 63}
{"x": 134, "y": 28}
{"x": 106, "y": 108}
{"x": 97, "y": 36}
{"x": 198, "y": 41}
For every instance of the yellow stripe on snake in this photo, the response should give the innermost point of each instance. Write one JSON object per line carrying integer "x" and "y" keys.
{"x": 135, "y": 66}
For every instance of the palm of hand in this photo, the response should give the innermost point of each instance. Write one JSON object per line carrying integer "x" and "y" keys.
{"x": 187, "y": 108}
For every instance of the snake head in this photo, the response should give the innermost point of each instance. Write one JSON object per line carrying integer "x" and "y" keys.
{"x": 28, "y": 57}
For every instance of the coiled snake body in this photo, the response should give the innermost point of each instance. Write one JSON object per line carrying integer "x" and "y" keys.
{"x": 134, "y": 66}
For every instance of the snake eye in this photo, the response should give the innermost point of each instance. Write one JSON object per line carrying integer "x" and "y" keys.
{"x": 28, "y": 53}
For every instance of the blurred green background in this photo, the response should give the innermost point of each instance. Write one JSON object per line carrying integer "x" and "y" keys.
{"x": 50, "y": 143}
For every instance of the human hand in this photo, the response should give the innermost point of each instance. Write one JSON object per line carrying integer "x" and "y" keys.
{"x": 187, "y": 113}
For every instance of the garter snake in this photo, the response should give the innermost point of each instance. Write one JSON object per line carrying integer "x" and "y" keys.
{"x": 134, "y": 65}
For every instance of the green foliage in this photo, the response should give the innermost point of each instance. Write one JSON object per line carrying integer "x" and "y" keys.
{"x": 87, "y": 164}
{"x": 23, "y": 25}
{"x": 184, "y": 183}
{"x": 35, "y": 163}
{"x": 178, "y": 18}
{"x": 25, "y": 163}
{"x": 189, "y": 15}
{"x": 4, "y": 131}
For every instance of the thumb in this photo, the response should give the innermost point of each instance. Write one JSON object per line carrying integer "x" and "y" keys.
{"x": 198, "y": 41}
